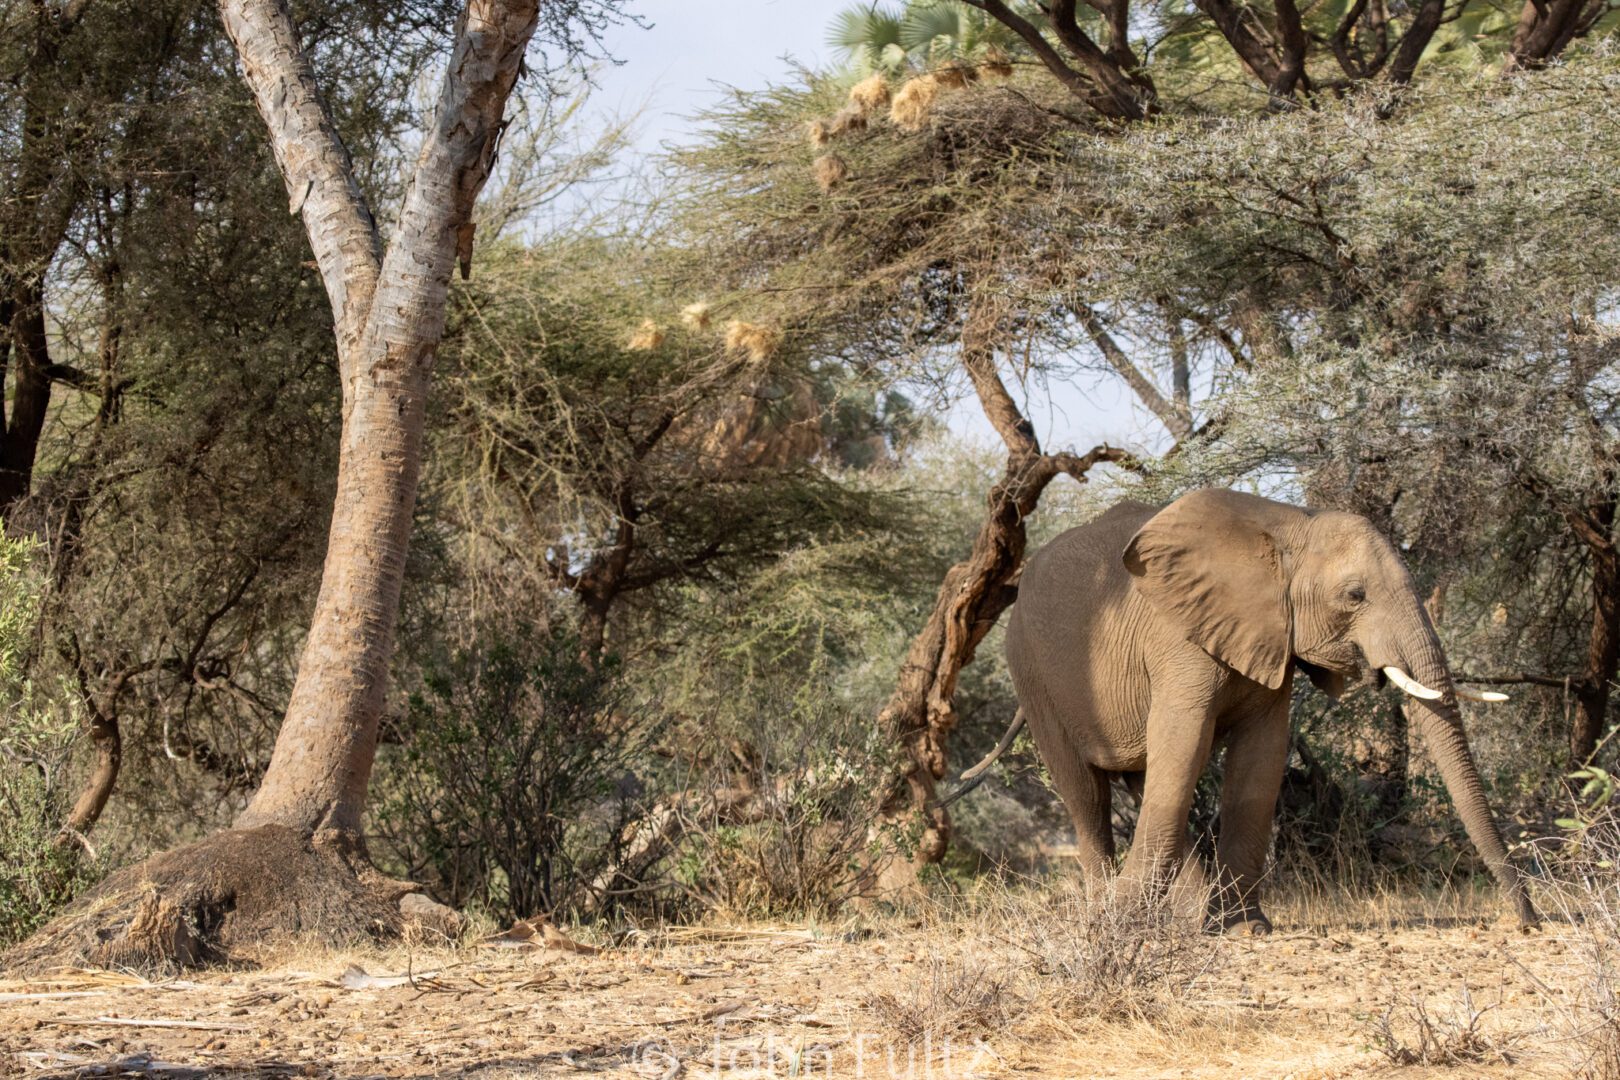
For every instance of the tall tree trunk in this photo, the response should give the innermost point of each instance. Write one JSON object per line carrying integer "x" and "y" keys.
{"x": 30, "y": 392}
{"x": 975, "y": 592}
{"x": 295, "y": 860}
{"x": 1595, "y": 526}
{"x": 389, "y": 322}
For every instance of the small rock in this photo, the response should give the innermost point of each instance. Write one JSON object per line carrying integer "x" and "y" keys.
{"x": 422, "y": 913}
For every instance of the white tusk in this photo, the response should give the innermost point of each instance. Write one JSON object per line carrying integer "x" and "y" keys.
{"x": 1411, "y": 685}
{"x": 1479, "y": 695}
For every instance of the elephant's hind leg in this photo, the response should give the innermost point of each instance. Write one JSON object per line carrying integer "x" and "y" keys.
{"x": 1095, "y": 834}
{"x": 1085, "y": 791}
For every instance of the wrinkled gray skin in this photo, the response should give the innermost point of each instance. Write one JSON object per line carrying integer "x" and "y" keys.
{"x": 1141, "y": 639}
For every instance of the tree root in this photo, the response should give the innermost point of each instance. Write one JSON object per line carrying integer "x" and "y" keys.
{"x": 218, "y": 901}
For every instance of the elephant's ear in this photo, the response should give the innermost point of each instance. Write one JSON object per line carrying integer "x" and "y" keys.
{"x": 1211, "y": 564}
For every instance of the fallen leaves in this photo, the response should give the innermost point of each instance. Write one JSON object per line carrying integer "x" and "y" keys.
{"x": 525, "y": 934}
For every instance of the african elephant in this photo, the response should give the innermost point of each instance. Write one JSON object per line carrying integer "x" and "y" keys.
{"x": 1142, "y": 638}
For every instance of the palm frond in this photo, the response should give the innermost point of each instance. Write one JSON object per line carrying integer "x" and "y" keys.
{"x": 931, "y": 26}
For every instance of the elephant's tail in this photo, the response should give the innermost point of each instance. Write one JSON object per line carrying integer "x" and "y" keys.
{"x": 973, "y": 777}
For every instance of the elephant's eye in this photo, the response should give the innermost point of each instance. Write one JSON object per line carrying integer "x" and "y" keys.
{"x": 1356, "y": 594}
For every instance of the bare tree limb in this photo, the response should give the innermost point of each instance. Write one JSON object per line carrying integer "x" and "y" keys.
{"x": 313, "y": 161}
{"x": 1177, "y": 421}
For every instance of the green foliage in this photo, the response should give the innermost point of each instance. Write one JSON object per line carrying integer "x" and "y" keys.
{"x": 805, "y": 840}
{"x": 516, "y": 768}
{"x": 921, "y": 34}
{"x": 40, "y": 868}
{"x": 1595, "y": 789}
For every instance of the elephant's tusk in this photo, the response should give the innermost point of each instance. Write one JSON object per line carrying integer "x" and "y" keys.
{"x": 1411, "y": 685}
{"x": 1479, "y": 695}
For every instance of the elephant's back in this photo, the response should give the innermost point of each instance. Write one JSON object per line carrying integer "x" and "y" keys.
{"x": 1087, "y": 560}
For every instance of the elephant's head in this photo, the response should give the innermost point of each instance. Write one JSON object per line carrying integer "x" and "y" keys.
{"x": 1262, "y": 587}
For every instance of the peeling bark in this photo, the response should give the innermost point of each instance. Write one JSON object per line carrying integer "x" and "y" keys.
{"x": 975, "y": 592}
{"x": 389, "y": 316}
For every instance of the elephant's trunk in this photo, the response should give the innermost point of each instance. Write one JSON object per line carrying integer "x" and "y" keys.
{"x": 1442, "y": 728}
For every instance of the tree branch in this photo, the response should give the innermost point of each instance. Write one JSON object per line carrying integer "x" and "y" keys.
{"x": 313, "y": 161}
{"x": 1515, "y": 678}
{"x": 1178, "y": 423}
{"x": 1103, "y": 86}
{"x": 1232, "y": 20}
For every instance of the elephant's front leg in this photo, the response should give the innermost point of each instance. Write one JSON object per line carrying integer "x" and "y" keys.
{"x": 1256, "y": 755}
{"x": 1179, "y": 736}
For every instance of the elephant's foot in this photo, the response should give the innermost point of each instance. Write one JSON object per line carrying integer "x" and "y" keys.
{"x": 1250, "y": 923}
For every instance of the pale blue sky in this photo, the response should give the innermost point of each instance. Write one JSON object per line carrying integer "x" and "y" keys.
{"x": 692, "y": 49}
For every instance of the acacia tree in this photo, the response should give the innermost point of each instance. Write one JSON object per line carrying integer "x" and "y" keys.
{"x": 1436, "y": 359}
{"x": 646, "y": 457}
{"x": 940, "y": 249}
{"x": 295, "y": 858}
{"x": 184, "y": 337}
{"x": 1128, "y": 63}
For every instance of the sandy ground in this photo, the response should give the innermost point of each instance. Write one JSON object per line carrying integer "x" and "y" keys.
{"x": 802, "y": 1001}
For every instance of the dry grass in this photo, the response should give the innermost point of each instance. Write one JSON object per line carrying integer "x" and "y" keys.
{"x": 1412, "y": 1032}
{"x": 955, "y": 994}
{"x": 956, "y": 76}
{"x": 1039, "y": 981}
{"x": 996, "y": 65}
{"x": 1583, "y": 902}
{"x": 1112, "y": 955}
{"x": 871, "y": 94}
{"x": 696, "y": 316}
{"x": 816, "y": 131}
{"x": 846, "y": 120}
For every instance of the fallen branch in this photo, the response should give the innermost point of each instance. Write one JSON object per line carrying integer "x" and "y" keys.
{"x": 119, "y": 1021}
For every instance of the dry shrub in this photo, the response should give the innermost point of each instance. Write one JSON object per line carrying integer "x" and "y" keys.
{"x": 870, "y": 94}
{"x": 648, "y": 336}
{"x": 913, "y": 103}
{"x": 830, "y": 171}
{"x": 818, "y": 133}
{"x": 956, "y": 995}
{"x": 1584, "y": 903}
{"x": 848, "y": 119}
{"x": 696, "y": 316}
{"x": 1116, "y": 954}
{"x": 758, "y": 342}
{"x": 1408, "y": 1033}
{"x": 797, "y": 848}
